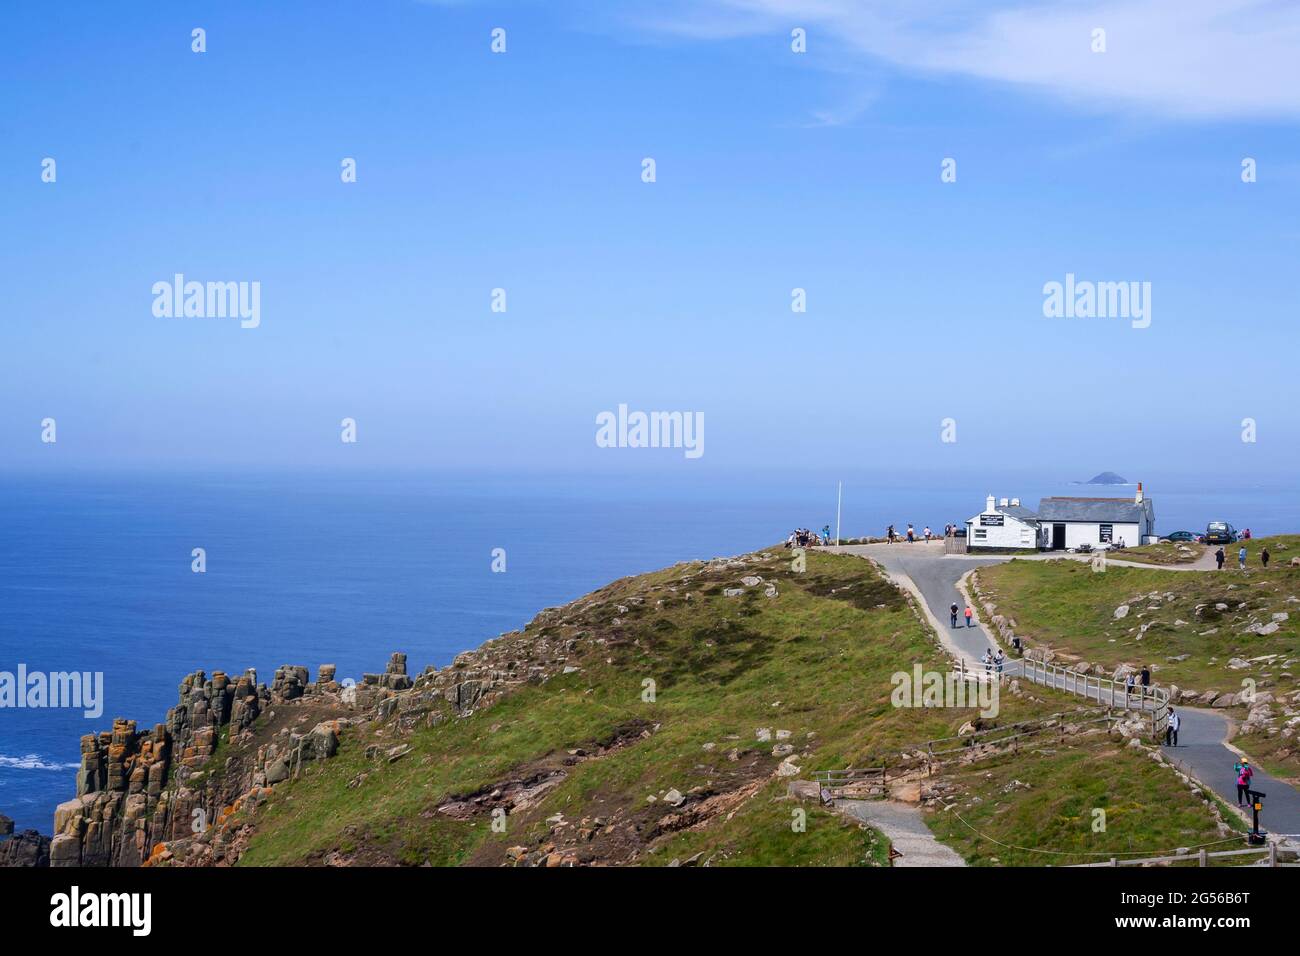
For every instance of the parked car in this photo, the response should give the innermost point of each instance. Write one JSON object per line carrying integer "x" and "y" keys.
{"x": 1180, "y": 536}
{"x": 1220, "y": 532}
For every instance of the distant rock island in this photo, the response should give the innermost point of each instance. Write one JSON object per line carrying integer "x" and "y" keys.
{"x": 1107, "y": 478}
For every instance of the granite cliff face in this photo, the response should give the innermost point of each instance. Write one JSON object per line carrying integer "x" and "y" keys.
{"x": 176, "y": 793}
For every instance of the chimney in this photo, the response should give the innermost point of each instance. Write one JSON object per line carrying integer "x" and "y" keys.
{"x": 1137, "y": 499}
{"x": 988, "y": 505}
{"x": 1004, "y": 502}
{"x": 1015, "y": 502}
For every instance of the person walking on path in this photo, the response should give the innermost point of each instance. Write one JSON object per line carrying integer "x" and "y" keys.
{"x": 1241, "y": 558}
{"x": 952, "y": 610}
{"x": 1264, "y": 556}
{"x": 891, "y": 534}
{"x": 1171, "y": 729}
{"x": 1220, "y": 557}
{"x": 970, "y": 615}
{"x": 1130, "y": 686}
{"x": 1244, "y": 773}
{"x": 1146, "y": 680}
{"x": 911, "y": 534}
{"x": 988, "y": 661}
{"x": 999, "y": 661}
{"x": 926, "y": 532}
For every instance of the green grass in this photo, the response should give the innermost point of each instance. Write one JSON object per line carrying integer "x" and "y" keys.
{"x": 1281, "y": 547}
{"x": 1052, "y": 819}
{"x": 1066, "y": 605}
{"x": 764, "y": 833}
{"x": 1162, "y": 552}
{"x": 815, "y": 661}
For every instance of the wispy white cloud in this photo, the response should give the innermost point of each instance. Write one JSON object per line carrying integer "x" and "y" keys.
{"x": 1179, "y": 58}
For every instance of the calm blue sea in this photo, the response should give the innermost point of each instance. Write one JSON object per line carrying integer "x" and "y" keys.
{"x": 95, "y": 570}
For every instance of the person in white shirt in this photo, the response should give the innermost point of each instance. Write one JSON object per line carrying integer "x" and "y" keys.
{"x": 1171, "y": 729}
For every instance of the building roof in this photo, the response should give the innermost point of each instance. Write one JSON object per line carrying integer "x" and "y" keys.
{"x": 1124, "y": 510}
{"x": 1019, "y": 512}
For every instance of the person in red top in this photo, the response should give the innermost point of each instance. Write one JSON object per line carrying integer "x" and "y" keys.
{"x": 970, "y": 615}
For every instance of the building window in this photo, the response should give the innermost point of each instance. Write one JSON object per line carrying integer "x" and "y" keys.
{"x": 981, "y": 534}
{"x": 1105, "y": 532}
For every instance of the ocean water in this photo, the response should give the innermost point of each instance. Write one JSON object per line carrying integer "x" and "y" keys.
{"x": 95, "y": 571}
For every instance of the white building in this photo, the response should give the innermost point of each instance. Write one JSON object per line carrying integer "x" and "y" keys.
{"x": 1003, "y": 524}
{"x": 1063, "y": 523}
{"x": 1067, "y": 523}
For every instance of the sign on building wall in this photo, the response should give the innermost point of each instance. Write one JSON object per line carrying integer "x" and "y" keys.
{"x": 992, "y": 521}
{"x": 1105, "y": 532}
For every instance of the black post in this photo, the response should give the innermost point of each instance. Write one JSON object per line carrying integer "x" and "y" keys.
{"x": 1256, "y": 836}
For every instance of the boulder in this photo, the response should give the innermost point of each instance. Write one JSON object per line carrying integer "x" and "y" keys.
{"x": 323, "y": 741}
{"x": 804, "y": 790}
{"x": 65, "y": 850}
{"x": 277, "y": 771}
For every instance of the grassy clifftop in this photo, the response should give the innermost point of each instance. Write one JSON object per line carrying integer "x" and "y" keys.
{"x": 662, "y": 719}
{"x": 673, "y": 679}
{"x": 1227, "y": 639}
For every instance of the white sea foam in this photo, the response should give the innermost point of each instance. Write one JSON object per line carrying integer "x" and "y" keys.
{"x": 33, "y": 762}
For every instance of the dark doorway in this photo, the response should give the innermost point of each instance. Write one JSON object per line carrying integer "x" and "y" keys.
{"x": 1058, "y": 537}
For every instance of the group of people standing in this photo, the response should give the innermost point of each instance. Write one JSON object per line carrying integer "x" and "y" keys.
{"x": 1242, "y": 554}
{"x": 1138, "y": 679}
{"x": 912, "y": 535}
{"x": 803, "y": 537}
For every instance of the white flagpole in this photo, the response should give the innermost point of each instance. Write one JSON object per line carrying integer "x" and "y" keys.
{"x": 839, "y": 500}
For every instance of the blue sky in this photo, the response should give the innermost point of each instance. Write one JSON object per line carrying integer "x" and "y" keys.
{"x": 774, "y": 170}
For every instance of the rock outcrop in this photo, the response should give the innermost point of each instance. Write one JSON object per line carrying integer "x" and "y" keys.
{"x": 137, "y": 789}
{"x": 174, "y": 793}
{"x": 28, "y": 848}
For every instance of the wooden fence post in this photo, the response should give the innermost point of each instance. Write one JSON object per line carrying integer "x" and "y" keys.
{"x": 1203, "y": 858}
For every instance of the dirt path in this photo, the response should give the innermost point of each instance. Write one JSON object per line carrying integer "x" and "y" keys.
{"x": 902, "y": 823}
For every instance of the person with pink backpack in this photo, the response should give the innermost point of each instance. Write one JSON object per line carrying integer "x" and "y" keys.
{"x": 1244, "y": 773}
